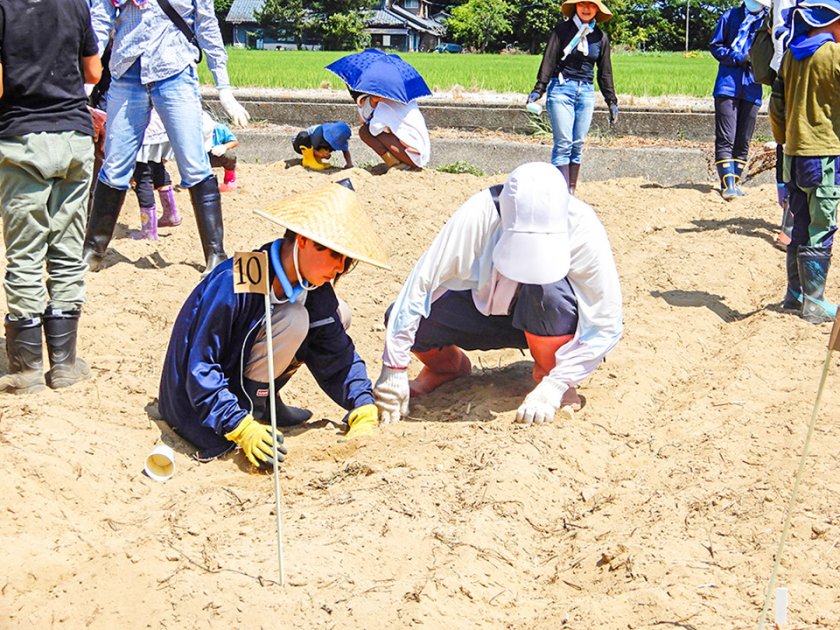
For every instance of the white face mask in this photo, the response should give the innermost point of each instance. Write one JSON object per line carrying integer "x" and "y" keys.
{"x": 365, "y": 108}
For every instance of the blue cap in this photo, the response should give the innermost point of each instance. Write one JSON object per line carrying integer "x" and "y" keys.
{"x": 336, "y": 134}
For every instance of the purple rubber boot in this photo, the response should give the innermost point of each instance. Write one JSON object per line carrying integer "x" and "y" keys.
{"x": 169, "y": 217}
{"x": 148, "y": 224}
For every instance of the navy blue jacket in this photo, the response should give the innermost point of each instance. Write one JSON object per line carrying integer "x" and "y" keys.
{"x": 201, "y": 390}
{"x": 734, "y": 77}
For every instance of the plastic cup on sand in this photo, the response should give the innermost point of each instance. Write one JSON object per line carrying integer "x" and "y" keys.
{"x": 160, "y": 463}
{"x": 534, "y": 108}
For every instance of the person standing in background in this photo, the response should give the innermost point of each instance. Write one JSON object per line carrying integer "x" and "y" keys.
{"x": 46, "y": 157}
{"x": 737, "y": 95}
{"x": 575, "y": 48}
{"x": 153, "y": 63}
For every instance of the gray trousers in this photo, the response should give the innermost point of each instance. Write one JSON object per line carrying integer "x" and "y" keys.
{"x": 44, "y": 185}
{"x": 289, "y": 327}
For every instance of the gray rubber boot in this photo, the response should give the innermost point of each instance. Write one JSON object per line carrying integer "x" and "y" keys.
{"x": 814, "y": 263}
{"x": 66, "y": 369}
{"x": 24, "y": 348}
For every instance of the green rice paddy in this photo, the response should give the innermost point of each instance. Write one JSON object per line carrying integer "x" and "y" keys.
{"x": 636, "y": 74}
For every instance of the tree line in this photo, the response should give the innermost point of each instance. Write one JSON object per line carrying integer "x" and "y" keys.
{"x": 495, "y": 25}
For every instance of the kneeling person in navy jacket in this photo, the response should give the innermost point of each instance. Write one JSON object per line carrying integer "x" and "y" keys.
{"x": 214, "y": 386}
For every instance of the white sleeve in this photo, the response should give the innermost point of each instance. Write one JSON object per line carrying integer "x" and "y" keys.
{"x": 210, "y": 39}
{"x": 384, "y": 118}
{"x": 451, "y": 256}
{"x": 594, "y": 279}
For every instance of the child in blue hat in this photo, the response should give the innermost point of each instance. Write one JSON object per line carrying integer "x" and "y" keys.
{"x": 316, "y": 144}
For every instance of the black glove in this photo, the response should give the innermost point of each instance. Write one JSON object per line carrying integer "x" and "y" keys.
{"x": 613, "y": 113}
{"x": 533, "y": 97}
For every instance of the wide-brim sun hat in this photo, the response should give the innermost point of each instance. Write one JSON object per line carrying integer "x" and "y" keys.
{"x": 534, "y": 246}
{"x": 603, "y": 14}
{"x": 807, "y": 15}
{"x": 331, "y": 216}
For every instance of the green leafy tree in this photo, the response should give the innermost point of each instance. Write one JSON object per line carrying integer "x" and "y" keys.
{"x": 344, "y": 31}
{"x": 533, "y": 23}
{"x": 660, "y": 25}
{"x": 285, "y": 16}
{"x": 221, "y": 7}
{"x": 336, "y": 24}
{"x": 479, "y": 23}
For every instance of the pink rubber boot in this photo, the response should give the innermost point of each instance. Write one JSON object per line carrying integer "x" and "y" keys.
{"x": 169, "y": 217}
{"x": 148, "y": 224}
{"x": 229, "y": 185}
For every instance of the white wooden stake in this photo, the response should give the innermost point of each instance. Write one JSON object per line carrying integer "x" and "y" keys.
{"x": 250, "y": 275}
{"x": 833, "y": 344}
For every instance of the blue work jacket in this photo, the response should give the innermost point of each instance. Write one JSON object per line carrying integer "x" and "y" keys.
{"x": 734, "y": 77}
{"x": 202, "y": 395}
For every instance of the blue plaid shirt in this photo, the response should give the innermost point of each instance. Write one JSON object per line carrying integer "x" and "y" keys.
{"x": 149, "y": 35}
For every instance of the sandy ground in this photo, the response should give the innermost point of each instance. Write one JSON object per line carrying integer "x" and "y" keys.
{"x": 659, "y": 505}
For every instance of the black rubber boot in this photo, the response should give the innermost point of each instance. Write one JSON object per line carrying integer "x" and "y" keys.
{"x": 287, "y": 416}
{"x": 574, "y": 171}
{"x": 26, "y": 357}
{"x": 107, "y": 203}
{"x": 564, "y": 170}
{"x": 728, "y": 181}
{"x": 814, "y": 263}
{"x": 66, "y": 369}
{"x": 793, "y": 295}
{"x": 207, "y": 207}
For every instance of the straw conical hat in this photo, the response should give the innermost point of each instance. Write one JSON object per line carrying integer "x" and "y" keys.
{"x": 331, "y": 216}
{"x": 603, "y": 14}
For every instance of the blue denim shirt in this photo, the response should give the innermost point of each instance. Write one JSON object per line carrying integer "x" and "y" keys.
{"x": 733, "y": 78}
{"x": 149, "y": 34}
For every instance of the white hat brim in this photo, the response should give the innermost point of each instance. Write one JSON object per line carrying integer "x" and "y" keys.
{"x": 532, "y": 258}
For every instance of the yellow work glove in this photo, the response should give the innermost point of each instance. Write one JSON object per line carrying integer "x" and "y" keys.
{"x": 255, "y": 440}
{"x": 362, "y": 421}
{"x": 310, "y": 161}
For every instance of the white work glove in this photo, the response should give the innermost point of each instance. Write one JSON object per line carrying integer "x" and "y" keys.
{"x": 218, "y": 150}
{"x": 542, "y": 403}
{"x": 239, "y": 116}
{"x": 391, "y": 394}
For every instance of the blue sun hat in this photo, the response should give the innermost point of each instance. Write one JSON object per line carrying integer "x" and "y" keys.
{"x": 805, "y": 15}
{"x": 337, "y": 135}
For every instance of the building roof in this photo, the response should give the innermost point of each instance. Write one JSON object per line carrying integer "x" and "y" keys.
{"x": 395, "y": 15}
{"x": 382, "y": 17}
{"x": 244, "y": 10}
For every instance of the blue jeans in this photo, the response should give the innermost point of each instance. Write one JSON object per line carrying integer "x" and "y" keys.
{"x": 130, "y": 102}
{"x": 570, "y": 106}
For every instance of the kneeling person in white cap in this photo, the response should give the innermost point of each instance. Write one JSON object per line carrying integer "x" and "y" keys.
{"x": 523, "y": 265}
{"x": 214, "y": 386}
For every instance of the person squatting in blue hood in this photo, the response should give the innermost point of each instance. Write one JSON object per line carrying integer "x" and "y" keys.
{"x": 214, "y": 386}
{"x": 805, "y": 117}
{"x": 737, "y": 95}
